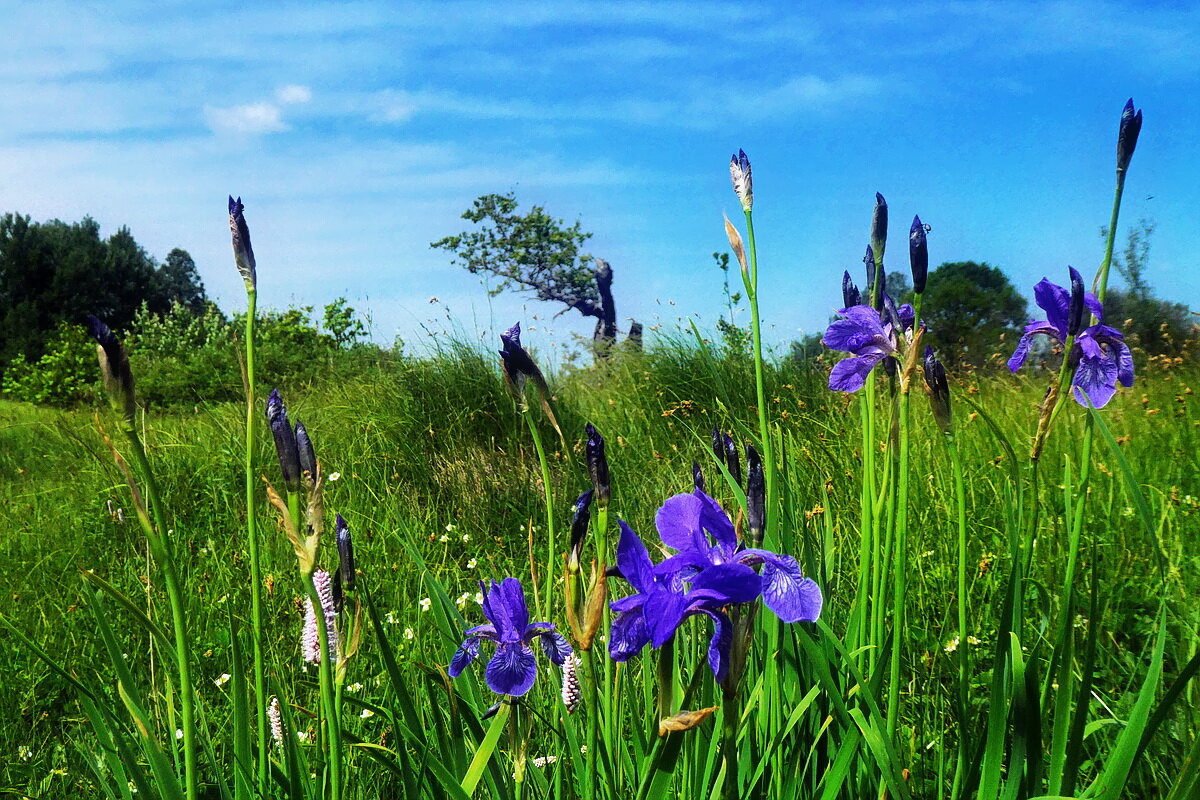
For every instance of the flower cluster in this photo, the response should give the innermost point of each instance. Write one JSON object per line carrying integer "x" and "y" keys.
{"x": 710, "y": 571}
{"x": 1099, "y": 357}
{"x": 513, "y": 667}
{"x": 869, "y": 335}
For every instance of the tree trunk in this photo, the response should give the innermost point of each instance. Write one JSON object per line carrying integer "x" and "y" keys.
{"x": 635, "y": 336}
{"x": 606, "y": 326}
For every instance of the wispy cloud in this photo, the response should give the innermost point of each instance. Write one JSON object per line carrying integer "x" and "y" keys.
{"x": 251, "y": 118}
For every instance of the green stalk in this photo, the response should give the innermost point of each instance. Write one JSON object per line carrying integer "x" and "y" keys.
{"x": 256, "y": 626}
{"x": 548, "y": 492}
{"x": 900, "y": 573}
{"x": 964, "y": 664}
{"x": 484, "y": 754}
{"x": 867, "y": 545}
{"x": 1102, "y": 278}
{"x": 730, "y": 715}
{"x": 751, "y": 282}
{"x": 162, "y": 544}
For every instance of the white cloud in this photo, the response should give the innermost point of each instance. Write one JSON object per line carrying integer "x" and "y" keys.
{"x": 293, "y": 94}
{"x": 250, "y": 118}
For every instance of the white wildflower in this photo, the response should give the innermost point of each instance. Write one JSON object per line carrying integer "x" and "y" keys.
{"x": 224, "y": 679}
{"x": 571, "y": 693}
{"x": 466, "y": 537}
{"x": 179, "y": 733}
{"x": 425, "y": 603}
{"x": 276, "y": 719}
{"x": 354, "y": 687}
{"x": 409, "y": 634}
{"x": 472, "y": 564}
{"x": 542, "y": 761}
{"x": 366, "y": 713}
{"x": 333, "y": 476}
{"x": 951, "y": 645}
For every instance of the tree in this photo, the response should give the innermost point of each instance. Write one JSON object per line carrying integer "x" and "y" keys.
{"x": 56, "y": 272}
{"x": 181, "y": 281}
{"x": 967, "y": 306}
{"x": 536, "y": 252}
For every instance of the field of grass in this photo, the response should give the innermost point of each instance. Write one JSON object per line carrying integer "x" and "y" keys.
{"x": 441, "y": 485}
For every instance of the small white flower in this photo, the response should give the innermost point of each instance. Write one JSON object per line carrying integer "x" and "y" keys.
{"x": 409, "y": 634}
{"x": 391, "y": 619}
{"x": 302, "y": 735}
{"x": 179, "y": 733}
{"x": 367, "y": 713}
{"x": 354, "y": 687}
{"x": 479, "y": 598}
{"x": 449, "y": 527}
{"x": 24, "y": 753}
{"x": 425, "y": 603}
{"x": 333, "y": 476}
{"x": 542, "y": 761}
{"x": 951, "y": 645}
{"x": 472, "y": 564}
{"x": 972, "y": 640}
{"x": 224, "y": 679}
{"x": 462, "y": 600}
{"x": 444, "y": 538}
{"x": 466, "y": 537}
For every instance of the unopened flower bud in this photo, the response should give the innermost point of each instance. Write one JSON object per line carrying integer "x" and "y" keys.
{"x": 1127, "y": 135}
{"x": 697, "y": 477}
{"x": 597, "y": 465}
{"x": 114, "y": 368}
{"x": 850, "y": 294}
{"x": 879, "y": 224}
{"x": 731, "y": 459}
{"x": 876, "y": 280}
{"x": 756, "y": 497}
{"x": 243, "y": 252}
{"x": 1075, "y": 310}
{"x": 918, "y": 255}
{"x": 285, "y": 441}
{"x": 743, "y": 181}
{"x": 939, "y": 391}
{"x": 308, "y": 457}
{"x": 579, "y": 528}
{"x": 718, "y": 445}
{"x": 345, "y": 548}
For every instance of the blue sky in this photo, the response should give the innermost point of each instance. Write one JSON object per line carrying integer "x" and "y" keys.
{"x": 356, "y": 133}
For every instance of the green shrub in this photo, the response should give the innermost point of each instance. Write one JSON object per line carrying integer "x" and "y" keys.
{"x": 66, "y": 373}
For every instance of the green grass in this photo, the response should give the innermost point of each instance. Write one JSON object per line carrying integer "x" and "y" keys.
{"x": 435, "y": 464}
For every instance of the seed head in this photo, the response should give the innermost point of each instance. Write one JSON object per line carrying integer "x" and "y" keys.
{"x": 243, "y": 252}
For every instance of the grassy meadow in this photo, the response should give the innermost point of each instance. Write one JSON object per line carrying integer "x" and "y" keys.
{"x": 433, "y": 469}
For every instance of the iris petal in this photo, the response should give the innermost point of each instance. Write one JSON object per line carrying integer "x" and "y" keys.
{"x": 628, "y": 635}
{"x": 720, "y": 645}
{"x": 850, "y": 374}
{"x": 734, "y": 582}
{"x": 633, "y": 560}
{"x": 1055, "y": 301}
{"x": 1095, "y": 381}
{"x": 467, "y": 652}
{"x": 555, "y": 646}
{"x": 512, "y": 669}
{"x": 678, "y": 522}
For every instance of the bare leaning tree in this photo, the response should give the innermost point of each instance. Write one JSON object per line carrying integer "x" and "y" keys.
{"x": 536, "y": 252}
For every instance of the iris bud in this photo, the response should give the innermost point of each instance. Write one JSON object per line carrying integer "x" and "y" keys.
{"x": 1127, "y": 135}
{"x": 114, "y": 368}
{"x": 732, "y": 461}
{"x": 939, "y": 391}
{"x": 579, "y": 528}
{"x": 1075, "y": 309}
{"x": 308, "y": 457}
{"x": 718, "y": 446}
{"x": 597, "y": 464}
{"x": 243, "y": 252}
{"x": 850, "y": 295}
{"x": 743, "y": 180}
{"x": 697, "y": 477}
{"x": 879, "y": 223}
{"x": 756, "y": 496}
{"x": 918, "y": 255}
{"x": 345, "y": 547}
{"x": 285, "y": 441}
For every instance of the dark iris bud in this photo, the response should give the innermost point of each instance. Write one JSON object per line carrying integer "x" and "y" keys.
{"x": 308, "y": 457}
{"x": 756, "y": 496}
{"x": 939, "y": 390}
{"x": 918, "y": 255}
{"x": 850, "y": 295}
{"x": 876, "y": 280}
{"x": 597, "y": 464}
{"x": 732, "y": 461}
{"x": 243, "y": 252}
{"x": 114, "y": 368}
{"x": 339, "y": 597}
{"x": 285, "y": 441}
{"x": 492, "y": 709}
{"x": 518, "y": 366}
{"x": 879, "y": 223}
{"x": 1075, "y": 310}
{"x": 718, "y": 446}
{"x": 345, "y": 547}
{"x": 891, "y": 315}
{"x": 1127, "y": 136}
{"x": 579, "y": 528}
{"x": 743, "y": 179}
{"x": 697, "y": 477}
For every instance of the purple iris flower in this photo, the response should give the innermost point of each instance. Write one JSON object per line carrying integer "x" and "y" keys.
{"x": 869, "y": 336}
{"x": 513, "y": 668}
{"x": 687, "y": 521}
{"x": 663, "y": 602}
{"x": 1100, "y": 356}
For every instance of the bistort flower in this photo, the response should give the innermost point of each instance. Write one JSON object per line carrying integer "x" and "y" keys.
{"x": 1099, "y": 358}
{"x": 512, "y": 668}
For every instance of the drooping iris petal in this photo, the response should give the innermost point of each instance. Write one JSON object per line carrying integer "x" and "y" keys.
{"x": 663, "y": 611}
{"x": 785, "y": 590}
{"x": 1022, "y": 352}
{"x": 555, "y": 646}
{"x": 678, "y": 522}
{"x": 720, "y": 645}
{"x": 1095, "y": 381}
{"x": 730, "y": 583}
{"x": 1055, "y": 301}
{"x": 628, "y": 635}
{"x": 850, "y": 374}
{"x": 467, "y": 652}
{"x": 1094, "y": 305}
{"x": 512, "y": 669}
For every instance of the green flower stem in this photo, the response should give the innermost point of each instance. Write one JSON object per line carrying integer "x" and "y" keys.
{"x": 900, "y": 572}
{"x": 331, "y": 720}
{"x": 751, "y": 283}
{"x": 867, "y": 544}
{"x": 256, "y": 626}
{"x": 964, "y": 664}
{"x": 161, "y": 544}
{"x": 730, "y": 715}
{"x": 1102, "y": 278}
{"x": 548, "y": 493}
{"x": 484, "y": 754}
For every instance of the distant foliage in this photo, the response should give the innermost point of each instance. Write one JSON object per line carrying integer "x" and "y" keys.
{"x": 968, "y": 307}
{"x": 65, "y": 373}
{"x": 56, "y": 272}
